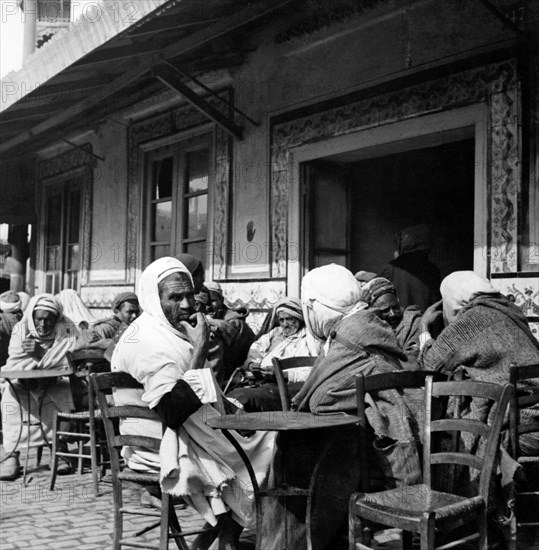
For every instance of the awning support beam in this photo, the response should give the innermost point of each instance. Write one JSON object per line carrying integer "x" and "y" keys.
{"x": 170, "y": 78}
{"x": 75, "y": 146}
{"x": 502, "y": 17}
{"x": 214, "y": 94}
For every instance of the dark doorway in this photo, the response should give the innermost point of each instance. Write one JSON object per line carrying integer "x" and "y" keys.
{"x": 353, "y": 209}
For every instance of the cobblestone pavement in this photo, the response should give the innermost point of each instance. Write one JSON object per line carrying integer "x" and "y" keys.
{"x": 70, "y": 517}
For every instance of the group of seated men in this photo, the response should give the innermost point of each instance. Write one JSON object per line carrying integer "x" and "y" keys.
{"x": 350, "y": 326}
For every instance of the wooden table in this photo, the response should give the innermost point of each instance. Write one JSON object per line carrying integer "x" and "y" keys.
{"x": 283, "y": 422}
{"x": 35, "y": 374}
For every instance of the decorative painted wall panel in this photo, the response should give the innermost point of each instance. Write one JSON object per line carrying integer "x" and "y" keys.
{"x": 496, "y": 83}
{"x": 525, "y": 290}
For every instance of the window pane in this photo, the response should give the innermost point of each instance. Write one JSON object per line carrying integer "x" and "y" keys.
{"x": 53, "y": 258}
{"x": 197, "y": 170}
{"x": 54, "y": 219}
{"x": 198, "y": 250}
{"x": 74, "y": 217}
{"x": 162, "y": 178}
{"x": 159, "y": 251}
{"x": 73, "y": 257}
{"x": 162, "y": 221}
{"x": 196, "y": 217}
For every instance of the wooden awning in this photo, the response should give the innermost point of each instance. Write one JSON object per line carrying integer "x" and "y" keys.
{"x": 95, "y": 67}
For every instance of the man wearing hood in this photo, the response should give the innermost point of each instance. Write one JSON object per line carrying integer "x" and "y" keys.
{"x": 415, "y": 277}
{"x": 484, "y": 333}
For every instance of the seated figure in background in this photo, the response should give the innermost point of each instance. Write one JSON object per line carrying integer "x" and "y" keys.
{"x": 231, "y": 327}
{"x": 75, "y": 310}
{"x": 104, "y": 334}
{"x": 289, "y": 339}
{"x": 39, "y": 341}
{"x": 381, "y": 295}
{"x": 10, "y": 315}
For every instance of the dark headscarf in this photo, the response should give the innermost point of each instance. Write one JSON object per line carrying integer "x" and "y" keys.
{"x": 124, "y": 297}
{"x": 192, "y": 263}
{"x": 375, "y": 288}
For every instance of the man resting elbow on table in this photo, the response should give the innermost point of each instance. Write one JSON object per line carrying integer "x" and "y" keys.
{"x": 167, "y": 355}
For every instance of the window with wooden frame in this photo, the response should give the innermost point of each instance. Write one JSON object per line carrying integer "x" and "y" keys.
{"x": 178, "y": 183}
{"x": 62, "y": 218}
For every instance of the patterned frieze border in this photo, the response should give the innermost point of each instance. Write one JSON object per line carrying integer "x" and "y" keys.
{"x": 101, "y": 297}
{"x": 160, "y": 126}
{"x": 495, "y": 83}
{"x": 254, "y": 294}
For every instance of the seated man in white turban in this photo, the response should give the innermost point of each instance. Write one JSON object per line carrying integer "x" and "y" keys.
{"x": 289, "y": 339}
{"x": 167, "y": 356}
{"x": 39, "y": 341}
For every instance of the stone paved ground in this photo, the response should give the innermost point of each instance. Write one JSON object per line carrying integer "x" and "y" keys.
{"x": 70, "y": 517}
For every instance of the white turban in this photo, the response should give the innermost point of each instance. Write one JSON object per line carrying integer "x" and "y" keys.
{"x": 148, "y": 291}
{"x": 327, "y": 294}
{"x": 461, "y": 287}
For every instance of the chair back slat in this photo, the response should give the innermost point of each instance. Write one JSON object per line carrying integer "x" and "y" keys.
{"x": 131, "y": 411}
{"x": 499, "y": 395}
{"x": 528, "y": 428}
{"x": 152, "y": 443}
{"x": 403, "y": 379}
{"x": 460, "y": 425}
{"x": 457, "y": 458}
{"x": 103, "y": 384}
{"x": 528, "y": 401}
{"x": 280, "y": 365}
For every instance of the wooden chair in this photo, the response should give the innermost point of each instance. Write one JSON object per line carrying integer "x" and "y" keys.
{"x": 85, "y": 420}
{"x": 527, "y": 501}
{"x": 280, "y": 365}
{"x": 421, "y": 509}
{"x": 168, "y": 523}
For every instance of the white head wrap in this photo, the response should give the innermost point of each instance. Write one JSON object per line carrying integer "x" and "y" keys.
{"x": 148, "y": 291}
{"x": 461, "y": 287}
{"x": 10, "y": 302}
{"x": 25, "y": 298}
{"x": 327, "y": 294}
{"x": 74, "y": 307}
{"x": 46, "y": 302}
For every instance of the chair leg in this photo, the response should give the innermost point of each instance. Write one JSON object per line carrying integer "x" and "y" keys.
{"x": 54, "y": 457}
{"x": 39, "y": 454}
{"x": 93, "y": 458}
{"x": 80, "y": 447}
{"x": 174, "y": 525}
{"x": 482, "y": 543}
{"x": 117, "y": 501}
{"x": 427, "y": 531}
{"x": 165, "y": 515}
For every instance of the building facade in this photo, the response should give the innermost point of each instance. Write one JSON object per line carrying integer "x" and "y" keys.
{"x": 306, "y": 133}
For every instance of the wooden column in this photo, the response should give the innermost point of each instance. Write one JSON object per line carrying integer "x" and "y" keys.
{"x": 29, "y": 8}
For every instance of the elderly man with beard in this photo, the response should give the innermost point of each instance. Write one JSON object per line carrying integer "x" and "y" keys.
{"x": 168, "y": 357}
{"x": 289, "y": 339}
{"x": 39, "y": 342}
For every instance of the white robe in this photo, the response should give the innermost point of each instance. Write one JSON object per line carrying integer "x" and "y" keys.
{"x": 198, "y": 463}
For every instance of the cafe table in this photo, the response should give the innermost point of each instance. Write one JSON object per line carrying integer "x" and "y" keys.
{"x": 32, "y": 374}
{"x": 287, "y": 424}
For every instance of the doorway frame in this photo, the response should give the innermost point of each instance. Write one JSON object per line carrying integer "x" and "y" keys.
{"x": 399, "y": 135}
